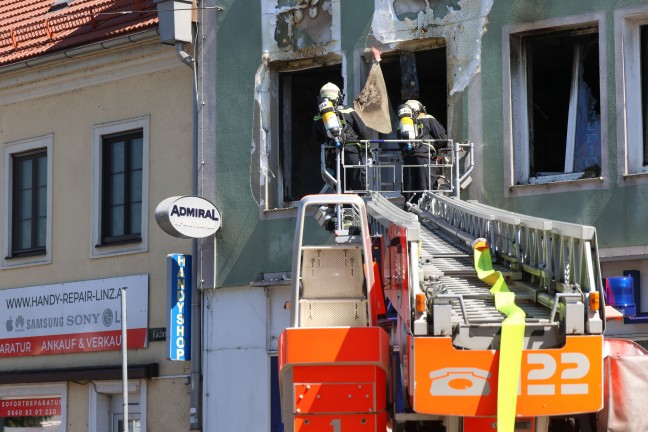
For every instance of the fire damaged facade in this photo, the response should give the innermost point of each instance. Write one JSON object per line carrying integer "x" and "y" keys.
{"x": 552, "y": 95}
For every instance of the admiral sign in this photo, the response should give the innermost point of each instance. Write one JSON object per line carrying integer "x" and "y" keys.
{"x": 72, "y": 317}
{"x": 188, "y": 217}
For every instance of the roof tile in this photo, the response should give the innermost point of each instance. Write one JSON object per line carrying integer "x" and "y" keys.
{"x": 29, "y": 30}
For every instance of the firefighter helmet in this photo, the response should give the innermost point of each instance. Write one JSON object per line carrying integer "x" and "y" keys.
{"x": 416, "y": 106}
{"x": 331, "y": 92}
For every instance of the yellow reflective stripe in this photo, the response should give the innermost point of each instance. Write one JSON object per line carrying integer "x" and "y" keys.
{"x": 510, "y": 358}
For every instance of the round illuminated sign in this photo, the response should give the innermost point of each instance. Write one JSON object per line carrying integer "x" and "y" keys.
{"x": 188, "y": 217}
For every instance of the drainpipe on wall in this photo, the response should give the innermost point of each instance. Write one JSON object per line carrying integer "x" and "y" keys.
{"x": 175, "y": 17}
{"x": 206, "y": 143}
{"x": 196, "y": 295}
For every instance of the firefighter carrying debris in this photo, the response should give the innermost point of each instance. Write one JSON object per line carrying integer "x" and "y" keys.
{"x": 341, "y": 126}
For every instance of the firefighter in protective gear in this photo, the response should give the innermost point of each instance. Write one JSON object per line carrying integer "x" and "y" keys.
{"x": 415, "y": 123}
{"x": 341, "y": 125}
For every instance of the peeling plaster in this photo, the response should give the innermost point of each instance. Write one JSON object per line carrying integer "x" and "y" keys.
{"x": 409, "y": 9}
{"x": 460, "y": 22}
{"x": 307, "y": 32}
{"x": 294, "y": 29}
{"x": 259, "y": 162}
{"x": 262, "y": 178}
{"x": 304, "y": 26}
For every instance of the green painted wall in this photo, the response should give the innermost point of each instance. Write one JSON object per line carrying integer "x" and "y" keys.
{"x": 246, "y": 246}
{"x": 617, "y": 212}
{"x": 249, "y": 246}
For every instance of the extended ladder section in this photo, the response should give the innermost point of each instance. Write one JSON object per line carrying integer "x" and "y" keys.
{"x": 551, "y": 266}
{"x": 449, "y": 329}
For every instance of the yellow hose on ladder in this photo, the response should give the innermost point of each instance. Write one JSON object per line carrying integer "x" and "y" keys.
{"x": 512, "y": 337}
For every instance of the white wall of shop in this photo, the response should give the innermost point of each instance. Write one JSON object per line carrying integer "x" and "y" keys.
{"x": 241, "y": 330}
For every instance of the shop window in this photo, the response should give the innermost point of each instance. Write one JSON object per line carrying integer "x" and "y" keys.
{"x": 556, "y": 109}
{"x": 33, "y": 408}
{"x": 120, "y": 185}
{"x": 299, "y": 150}
{"x": 27, "y": 200}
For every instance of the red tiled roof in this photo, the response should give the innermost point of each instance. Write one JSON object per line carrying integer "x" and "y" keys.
{"x": 29, "y": 30}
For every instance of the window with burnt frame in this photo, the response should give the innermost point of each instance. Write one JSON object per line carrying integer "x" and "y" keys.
{"x": 29, "y": 204}
{"x": 564, "y": 103}
{"x": 299, "y": 151}
{"x": 420, "y": 75}
{"x": 121, "y": 187}
{"x": 563, "y": 112}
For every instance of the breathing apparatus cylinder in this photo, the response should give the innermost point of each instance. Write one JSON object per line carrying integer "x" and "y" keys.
{"x": 406, "y": 120}
{"x": 330, "y": 119}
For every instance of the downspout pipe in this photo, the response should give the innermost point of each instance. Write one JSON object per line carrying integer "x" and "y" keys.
{"x": 195, "y": 411}
{"x": 186, "y": 58}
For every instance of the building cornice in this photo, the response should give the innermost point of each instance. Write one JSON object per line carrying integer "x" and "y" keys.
{"x": 87, "y": 66}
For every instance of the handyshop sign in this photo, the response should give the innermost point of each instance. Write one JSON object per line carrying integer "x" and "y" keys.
{"x": 73, "y": 317}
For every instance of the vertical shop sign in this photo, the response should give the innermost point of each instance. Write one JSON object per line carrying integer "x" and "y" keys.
{"x": 179, "y": 307}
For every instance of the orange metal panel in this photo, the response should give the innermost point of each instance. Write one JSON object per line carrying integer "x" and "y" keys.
{"x": 342, "y": 423}
{"x": 559, "y": 381}
{"x": 340, "y": 374}
{"x": 366, "y": 345}
{"x": 337, "y": 397}
{"x": 335, "y": 373}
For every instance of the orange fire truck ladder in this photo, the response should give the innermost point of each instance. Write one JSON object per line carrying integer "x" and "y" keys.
{"x": 343, "y": 364}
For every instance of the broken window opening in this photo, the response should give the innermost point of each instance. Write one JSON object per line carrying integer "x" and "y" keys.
{"x": 419, "y": 75}
{"x": 299, "y": 151}
{"x": 563, "y": 98}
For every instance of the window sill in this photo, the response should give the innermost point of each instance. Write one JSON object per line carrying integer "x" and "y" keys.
{"x": 26, "y": 260}
{"x": 557, "y": 186}
{"x": 279, "y": 213}
{"x": 631, "y": 179}
{"x": 122, "y": 242}
{"x": 130, "y": 246}
{"x": 30, "y": 254}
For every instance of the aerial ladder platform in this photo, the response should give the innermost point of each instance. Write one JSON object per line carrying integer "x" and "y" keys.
{"x": 450, "y": 316}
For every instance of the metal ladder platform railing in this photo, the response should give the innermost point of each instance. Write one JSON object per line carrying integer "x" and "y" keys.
{"x": 559, "y": 256}
{"x": 529, "y": 251}
{"x": 384, "y": 168}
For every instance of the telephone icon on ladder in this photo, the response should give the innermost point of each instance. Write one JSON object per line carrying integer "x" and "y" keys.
{"x": 460, "y": 382}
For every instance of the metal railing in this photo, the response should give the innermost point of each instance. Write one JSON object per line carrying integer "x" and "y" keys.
{"x": 384, "y": 169}
{"x": 557, "y": 255}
